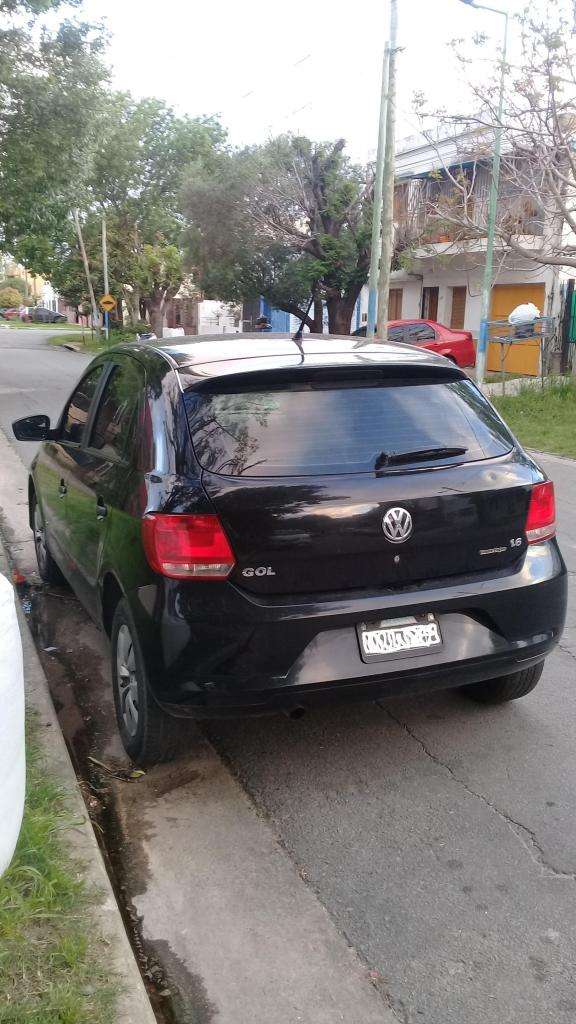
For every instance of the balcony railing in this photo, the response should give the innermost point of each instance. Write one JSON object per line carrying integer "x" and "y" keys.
{"x": 426, "y": 211}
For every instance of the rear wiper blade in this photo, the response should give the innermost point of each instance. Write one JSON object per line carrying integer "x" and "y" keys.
{"x": 420, "y": 455}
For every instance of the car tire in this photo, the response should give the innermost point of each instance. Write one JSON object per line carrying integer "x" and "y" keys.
{"x": 47, "y": 567}
{"x": 148, "y": 734}
{"x": 505, "y": 688}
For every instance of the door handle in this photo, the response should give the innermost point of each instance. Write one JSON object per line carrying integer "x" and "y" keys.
{"x": 101, "y": 509}
{"x": 62, "y": 490}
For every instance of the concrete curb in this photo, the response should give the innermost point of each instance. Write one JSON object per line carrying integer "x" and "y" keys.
{"x": 550, "y": 455}
{"x": 518, "y": 384}
{"x": 133, "y": 1005}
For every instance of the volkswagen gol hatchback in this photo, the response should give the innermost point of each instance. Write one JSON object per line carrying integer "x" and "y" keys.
{"x": 260, "y": 524}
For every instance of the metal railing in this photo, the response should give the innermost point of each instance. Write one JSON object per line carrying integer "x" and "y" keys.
{"x": 543, "y": 330}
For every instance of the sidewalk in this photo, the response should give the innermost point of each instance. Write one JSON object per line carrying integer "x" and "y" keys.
{"x": 15, "y": 535}
{"x": 133, "y": 1005}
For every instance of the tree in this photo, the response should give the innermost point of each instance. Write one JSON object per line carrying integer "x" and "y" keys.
{"x": 286, "y": 220}
{"x": 135, "y": 181}
{"x": 16, "y": 283}
{"x": 538, "y": 172}
{"x": 9, "y": 297}
{"x": 159, "y": 276}
{"x": 50, "y": 92}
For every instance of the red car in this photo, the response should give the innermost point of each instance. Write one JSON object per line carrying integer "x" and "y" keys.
{"x": 455, "y": 345}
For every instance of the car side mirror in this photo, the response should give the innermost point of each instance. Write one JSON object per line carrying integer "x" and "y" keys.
{"x": 32, "y": 428}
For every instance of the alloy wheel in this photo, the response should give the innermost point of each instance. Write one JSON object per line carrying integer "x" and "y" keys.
{"x": 40, "y": 539}
{"x": 127, "y": 680}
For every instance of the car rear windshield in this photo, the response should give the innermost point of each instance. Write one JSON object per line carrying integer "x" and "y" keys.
{"x": 312, "y": 431}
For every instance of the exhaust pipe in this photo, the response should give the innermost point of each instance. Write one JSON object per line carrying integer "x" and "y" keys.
{"x": 295, "y": 713}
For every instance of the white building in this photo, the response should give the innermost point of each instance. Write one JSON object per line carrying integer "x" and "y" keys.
{"x": 444, "y": 281}
{"x": 217, "y": 318}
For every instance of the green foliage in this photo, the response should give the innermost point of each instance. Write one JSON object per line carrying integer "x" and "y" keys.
{"x": 139, "y": 168}
{"x": 282, "y": 220}
{"x": 119, "y": 334}
{"x": 15, "y": 282}
{"x": 54, "y": 966}
{"x": 542, "y": 418}
{"x": 136, "y": 179}
{"x": 159, "y": 268}
{"x": 50, "y": 90}
{"x": 33, "y": 7}
{"x": 10, "y": 297}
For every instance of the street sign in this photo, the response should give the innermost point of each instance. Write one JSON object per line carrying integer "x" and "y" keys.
{"x": 107, "y": 302}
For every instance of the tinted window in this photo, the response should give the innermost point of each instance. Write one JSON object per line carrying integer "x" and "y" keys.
{"x": 79, "y": 406}
{"x": 420, "y": 332}
{"x": 114, "y": 425}
{"x": 312, "y": 431}
{"x": 396, "y": 334}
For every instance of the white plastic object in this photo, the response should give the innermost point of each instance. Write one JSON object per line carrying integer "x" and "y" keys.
{"x": 525, "y": 313}
{"x": 12, "y": 751}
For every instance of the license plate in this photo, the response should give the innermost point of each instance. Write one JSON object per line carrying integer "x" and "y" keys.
{"x": 398, "y": 637}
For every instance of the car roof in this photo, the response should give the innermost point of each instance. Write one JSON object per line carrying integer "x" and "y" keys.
{"x": 413, "y": 320}
{"x": 210, "y": 355}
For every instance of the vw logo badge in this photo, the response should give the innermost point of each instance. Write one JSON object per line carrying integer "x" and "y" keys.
{"x": 397, "y": 525}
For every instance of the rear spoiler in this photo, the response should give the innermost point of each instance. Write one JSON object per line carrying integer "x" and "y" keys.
{"x": 357, "y": 374}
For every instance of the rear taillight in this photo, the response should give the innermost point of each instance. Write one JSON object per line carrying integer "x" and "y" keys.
{"x": 541, "y": 518}
{"x": 185, "y": 547}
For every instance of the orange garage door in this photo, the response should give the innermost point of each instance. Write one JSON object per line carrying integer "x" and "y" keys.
{"x": 523, "y": 357}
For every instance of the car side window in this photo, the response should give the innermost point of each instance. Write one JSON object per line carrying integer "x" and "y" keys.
{"x": 78, "y": 409}
{"x": 420, "y": 332}
{"x": 396, "y": 334}
{"x": 114, "y": 428}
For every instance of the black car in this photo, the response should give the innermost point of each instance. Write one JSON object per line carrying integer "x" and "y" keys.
{"x": 262, "y": 524}
{"x": 43, "y": 315}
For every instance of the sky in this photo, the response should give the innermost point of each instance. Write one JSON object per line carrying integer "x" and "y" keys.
{"x": 309, "y": 66}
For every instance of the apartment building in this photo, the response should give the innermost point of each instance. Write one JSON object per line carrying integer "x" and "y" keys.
{"x": 443, "y": 263}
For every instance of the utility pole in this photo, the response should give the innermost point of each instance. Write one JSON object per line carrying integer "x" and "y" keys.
{"x": 95, "y": 314}
{"x": 388, "y": 182}
{"x": 377, "y": 208}
{"x": 105, "y": 269}
{"x": 493, "y": 203}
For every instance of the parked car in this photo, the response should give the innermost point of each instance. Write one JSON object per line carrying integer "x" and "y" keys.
{"x": 455, "y": 345}
{"x": 263, "y": 524}
{"x": 43, "y": 315}
{"x": 12, "y": 753}
{"x": 11, "y": 314}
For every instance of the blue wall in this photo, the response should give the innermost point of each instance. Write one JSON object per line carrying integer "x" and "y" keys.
{"x": 279, "y": 320}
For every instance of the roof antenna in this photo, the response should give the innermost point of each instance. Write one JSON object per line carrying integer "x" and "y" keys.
{"x": 298, "y": 335}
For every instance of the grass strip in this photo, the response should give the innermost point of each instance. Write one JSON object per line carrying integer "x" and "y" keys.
{"x": 54, "y": 964}
{"x": 544, "y": 419}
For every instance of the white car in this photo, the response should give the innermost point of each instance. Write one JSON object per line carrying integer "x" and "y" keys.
{"x": 12, "y": 760}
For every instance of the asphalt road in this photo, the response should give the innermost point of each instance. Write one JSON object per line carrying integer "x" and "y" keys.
{"x": 440, "y": 836}
{"x": 34, "y": 377}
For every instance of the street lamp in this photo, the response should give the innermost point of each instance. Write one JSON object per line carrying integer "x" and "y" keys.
{"x": 493, "y": 203}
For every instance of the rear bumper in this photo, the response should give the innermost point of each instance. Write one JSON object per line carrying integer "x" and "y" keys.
{"x": 216, "y": 651}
